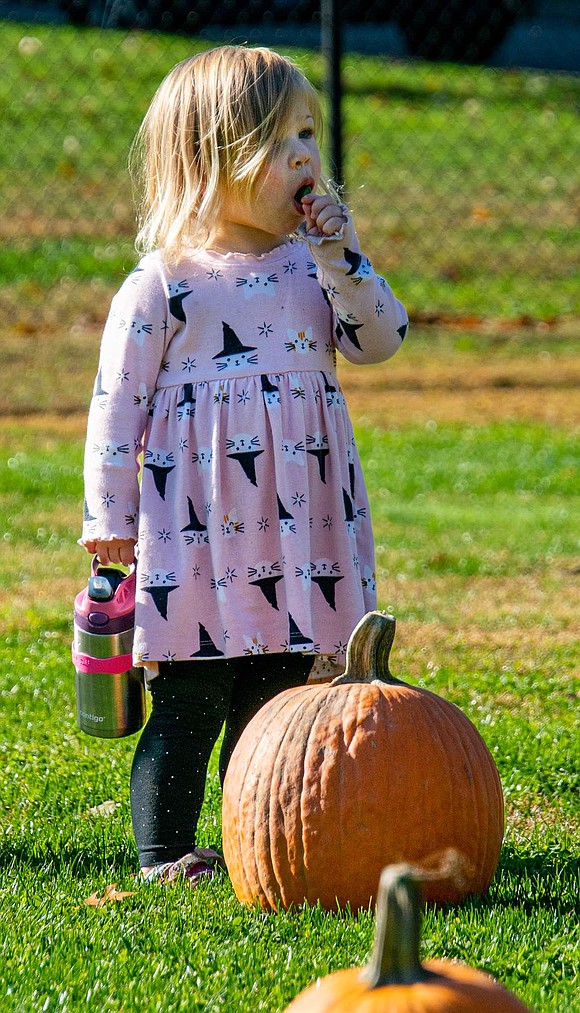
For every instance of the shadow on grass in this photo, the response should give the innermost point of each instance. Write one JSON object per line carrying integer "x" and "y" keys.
{"x": 53, "y": 862}
{"x": 548, "y": 880}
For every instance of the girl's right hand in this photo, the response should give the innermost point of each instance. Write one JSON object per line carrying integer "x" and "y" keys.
{"x": 112, "y": 552}
{"x": 324, "y": 217}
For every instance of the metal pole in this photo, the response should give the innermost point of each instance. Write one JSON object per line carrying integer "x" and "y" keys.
{"x": 331, "y": 44}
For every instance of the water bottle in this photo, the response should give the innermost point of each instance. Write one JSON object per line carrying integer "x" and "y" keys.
{"x": 110, "y": 692}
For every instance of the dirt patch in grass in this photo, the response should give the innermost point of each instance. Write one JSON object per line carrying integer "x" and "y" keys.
{"x": 531, "y": 819}
{"x": 484, "y": 624}
{"x": 464, "y": 389}
{"x": 474, "y": 407}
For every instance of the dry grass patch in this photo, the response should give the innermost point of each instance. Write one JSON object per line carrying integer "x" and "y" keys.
{"x": 531, "y": 819}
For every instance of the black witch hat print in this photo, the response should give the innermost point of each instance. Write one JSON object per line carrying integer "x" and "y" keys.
{"x": 178, "y": 291}
{"x": 348, "y": 328}
{"x": 195, "y": 532}
{"x": 160, "y": 464}
{"x": 287, "y": 525}
{"x": 245, "y": 448}
{"x": 270, "y": 391}
{"x": 266, "y": 577}
{"x": 332, "y": 394}
{"x": 89, "y": 519}
{"x": 317, "y": 446}
{"x": 207, "y": 648}
{"x": 186, "y": 407}
{"x": 348, "y": 513}
{"x": 234, "y": 354}
{"x": 351, "y": 467}
{"x": 87, "y": 515}
{"x": 326, "y": 574}
{"x": 296, "y": 639}
{"x": 159, "y": 585}
{"x": 98, "y": 389}
{"x": 360, "y": 266}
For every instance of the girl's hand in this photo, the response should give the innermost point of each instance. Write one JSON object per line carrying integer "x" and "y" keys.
{"x": 324, "y": 217}
{"x": 113, "y": 551}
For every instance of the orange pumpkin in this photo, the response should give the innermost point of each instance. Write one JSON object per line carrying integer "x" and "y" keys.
{"x": 329, "y": 783}
{"x": 396, "y": 981}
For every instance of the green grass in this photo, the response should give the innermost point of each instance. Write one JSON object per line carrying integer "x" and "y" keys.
{"x": 173, "y": 950}
{"x": 468, "y": 175}
{"x": 468, "y": 178}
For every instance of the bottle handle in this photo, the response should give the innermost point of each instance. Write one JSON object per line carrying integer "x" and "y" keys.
{"x": 113, "y": 566}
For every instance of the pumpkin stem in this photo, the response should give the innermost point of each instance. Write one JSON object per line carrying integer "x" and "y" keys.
{"x": 395, "y": 958}
{"x": 367, "y": 652}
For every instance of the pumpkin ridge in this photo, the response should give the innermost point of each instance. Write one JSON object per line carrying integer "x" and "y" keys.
{"x": 463, "y": 731}
{"x": 359, "y": 773}
{"x": 296, "y": 863}
{"x": 296, "y": 702}
{"x": 248, "y": 777}
{"x": 234, "y": 849}
{"x": 324, "y": 725}
{"x": 453, "y": 743}
{"x": 242, "y": 770}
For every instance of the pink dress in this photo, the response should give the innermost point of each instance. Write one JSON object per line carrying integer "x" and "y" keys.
{"x": 218, "y": 436}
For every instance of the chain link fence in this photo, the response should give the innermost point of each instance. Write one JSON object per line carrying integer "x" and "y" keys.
{"x": 463, "y": 175}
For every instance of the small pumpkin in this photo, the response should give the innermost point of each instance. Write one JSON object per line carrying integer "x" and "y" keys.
{"x": 330, "y": 783}
{"x": 395, "y": 979}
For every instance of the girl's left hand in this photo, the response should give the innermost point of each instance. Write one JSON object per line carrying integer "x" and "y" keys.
{"x": 324, "y": 217}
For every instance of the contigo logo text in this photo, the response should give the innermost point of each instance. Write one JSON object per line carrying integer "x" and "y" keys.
{"x": 92, "y": 717}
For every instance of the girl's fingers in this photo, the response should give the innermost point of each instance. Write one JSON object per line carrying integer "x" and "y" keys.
{"x": 115, "y": 552}
{"x": 323, "y": 215}
{"x": 127, "y": 554}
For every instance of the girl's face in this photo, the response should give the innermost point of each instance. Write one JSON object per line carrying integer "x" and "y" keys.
{"x": 259, "y": 221}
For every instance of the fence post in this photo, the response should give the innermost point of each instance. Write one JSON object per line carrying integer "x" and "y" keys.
{"x": 331, "y": 44}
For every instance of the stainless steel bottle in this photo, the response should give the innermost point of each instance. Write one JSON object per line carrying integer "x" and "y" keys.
{"x": 110, "y": 692}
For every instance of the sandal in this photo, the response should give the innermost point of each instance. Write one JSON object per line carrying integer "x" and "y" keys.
{"x": 196, "y": 865}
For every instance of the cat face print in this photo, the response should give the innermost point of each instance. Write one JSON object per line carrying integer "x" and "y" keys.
{"x": 300, "y": 341}
{"x": 159, "y": 458}
{"x": 369, "y": 579}
{"x": 255, "y": 645}
{"x": 140, "y": 399}
{"x": 158, "y": 578}
{"x": 116, "y": 454}
{"x": 203, "y": 457}
{"x": 242, "y": 443}
{"x": 305, "y": 573}
{"x": 257, "y": 284}
{"x": 137, "y": 329}
{"x": 231, "y": 525}
{"x": 293, "y": 451}
{"x": 264, "y": 569}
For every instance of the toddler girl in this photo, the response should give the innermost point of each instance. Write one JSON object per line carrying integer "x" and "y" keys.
{"x": 248, "y": 515}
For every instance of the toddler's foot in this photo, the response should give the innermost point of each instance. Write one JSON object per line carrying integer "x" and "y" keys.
{"x": 201, "y": 863}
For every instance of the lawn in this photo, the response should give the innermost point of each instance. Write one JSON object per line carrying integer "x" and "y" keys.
{"x": 464, "y": 180}
{"x": 477, "y": 557}
{"x": 469, "y": 444}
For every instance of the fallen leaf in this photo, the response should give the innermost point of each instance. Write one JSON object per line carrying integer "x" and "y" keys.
{"x": 480, "y": 214}
{"x": 110, "y": 895}
{"x": 104, "y": 809}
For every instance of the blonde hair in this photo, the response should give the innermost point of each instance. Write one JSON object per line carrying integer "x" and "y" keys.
{"x": 212, "y": 126}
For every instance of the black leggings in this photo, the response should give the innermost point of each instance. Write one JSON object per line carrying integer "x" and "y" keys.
{"x": 191, "y": 702}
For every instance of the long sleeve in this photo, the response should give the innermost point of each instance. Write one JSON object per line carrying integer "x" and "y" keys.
{"x": 133, "y": 346}
{"x": 370, "y": 323}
